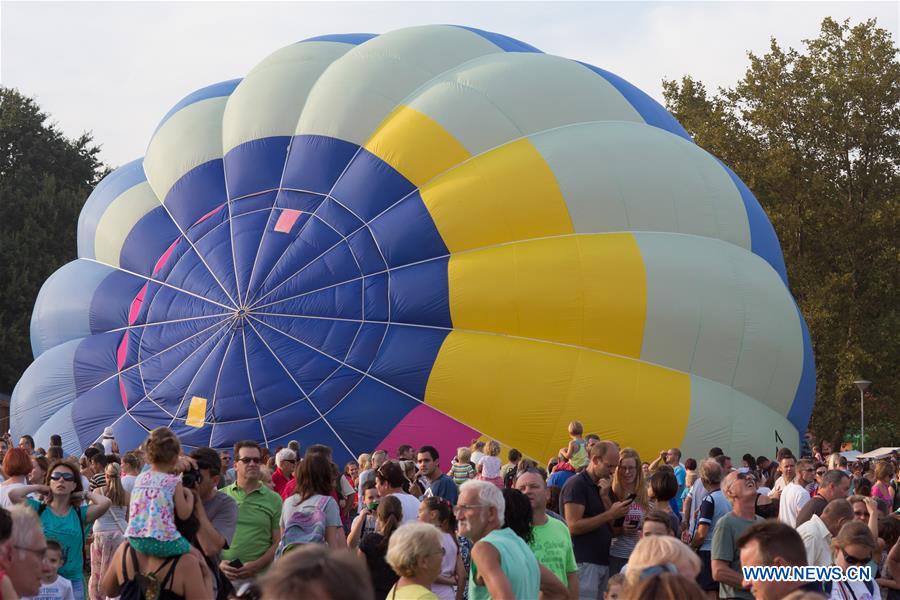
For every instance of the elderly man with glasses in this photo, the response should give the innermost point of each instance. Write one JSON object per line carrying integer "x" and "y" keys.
{"x": 285, "y": 463}
{"x": 258, "y": 528}
{"x": 740, "y": 490}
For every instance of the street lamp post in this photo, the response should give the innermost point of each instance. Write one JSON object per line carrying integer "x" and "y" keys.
{"x": 862, "y": 384}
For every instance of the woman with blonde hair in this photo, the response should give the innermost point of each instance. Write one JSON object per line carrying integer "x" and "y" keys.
{"x": 834, "y": 461}
{"x": 364, "y": 460}
{"x": 628, "y": 483}
{"x": 109, "y": 528}
{"x": 415, "y": 553}
{"x": 884, "y": 472}
{"x": 854, "y": 546}
{"x": 664, "y": 586}
{"x": 659, "y": 550}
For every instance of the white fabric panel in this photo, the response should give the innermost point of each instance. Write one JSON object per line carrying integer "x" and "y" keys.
{"x": 722, "y": 416}
{"x": 619, "y": 176}
{"x": 119, "y": 218}
{"x": 60, "y": 423}
{"x": 269, "y": 100}
{"x": 47, "y": 385}
{"x": 356, "y": 93}
{"x": 721, "y": 312}
{"x": 190, "y": 137}
{"x": 529, "y": 92}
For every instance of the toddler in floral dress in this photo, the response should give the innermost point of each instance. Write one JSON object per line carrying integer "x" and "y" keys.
{"x": 157, "y": 497}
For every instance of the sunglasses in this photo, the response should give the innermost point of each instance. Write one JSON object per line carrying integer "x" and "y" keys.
{"x": 854, "y": 560}
{"x": 250, "y": 459}
{"x": 64, "y": 476}
{"x": 820, "y": 473}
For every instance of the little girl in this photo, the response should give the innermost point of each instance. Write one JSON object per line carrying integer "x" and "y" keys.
{"x": 157, "y": 497}
{"x": 489, "y": 465}
{"x": 439, "y": 512}
{"x": 576, "y": 451}
{"x": 462, "y": 469}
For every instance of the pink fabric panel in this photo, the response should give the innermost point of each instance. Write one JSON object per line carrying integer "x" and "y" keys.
{"x": 427, "y": 426}
{"x": 136, "y": 305}
{"x": 122, "y": 352}
{"x": 209, "y": 214}
{"x": 287, "y": 219}
{"x": 165, "y": 257}
{"x": 122, "y": 392}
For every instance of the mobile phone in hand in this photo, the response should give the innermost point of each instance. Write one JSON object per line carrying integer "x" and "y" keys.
{"x": 236, "y": 563}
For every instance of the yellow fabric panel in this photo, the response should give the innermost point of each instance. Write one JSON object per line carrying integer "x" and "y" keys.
{"x": 196, "y": 412}
{"x": 504, "y": 195}
{"x": 524, "y": 393}
{"x": 584, "y": 290}
{"x": 415, "y": 145}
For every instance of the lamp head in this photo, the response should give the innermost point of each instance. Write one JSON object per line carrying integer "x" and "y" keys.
{"x": 862, "y": 384}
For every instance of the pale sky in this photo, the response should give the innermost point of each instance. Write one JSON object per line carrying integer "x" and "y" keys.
{"x": 115, "y": 68}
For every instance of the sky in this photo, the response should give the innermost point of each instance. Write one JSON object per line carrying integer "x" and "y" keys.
{"x": 115, "y": 68}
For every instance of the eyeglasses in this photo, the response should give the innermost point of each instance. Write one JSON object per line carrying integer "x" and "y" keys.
{"x": 657, "y": 570}
{"x": 820, "y": 473}
{"x": 467, "y": 507}
{"x": 250, "y": 459}
{"x": 621, "y": 468}
{"x": 39, "y": 552}
{"x": 854, "y": 560}
{"x": 64, "y": 476}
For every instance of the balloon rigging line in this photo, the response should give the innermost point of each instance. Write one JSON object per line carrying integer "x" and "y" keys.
{"x": 237, "y": 281}
{"x": 157, "y": 323}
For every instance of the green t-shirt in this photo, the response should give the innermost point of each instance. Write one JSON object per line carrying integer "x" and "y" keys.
{"x": 552, "y": 546}
{"x": 259, "y": 514}
{"x": 724, "y": 547}
{"x": 65, "y": 531}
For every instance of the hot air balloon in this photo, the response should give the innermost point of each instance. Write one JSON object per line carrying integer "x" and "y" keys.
{"x": 426, "y": 236}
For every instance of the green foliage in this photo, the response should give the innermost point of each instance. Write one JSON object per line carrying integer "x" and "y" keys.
{"x": 814, "y": 134}
{"x": 44, "y": 181}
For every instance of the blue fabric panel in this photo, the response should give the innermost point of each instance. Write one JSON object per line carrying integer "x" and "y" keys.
{"x": 62, "y": 308}
{"x": 305, "y": 201}
{"x": 801, "y": 409}
{"x": 342, "y": 301}
{"x": 199, "y": 191}
{"x": 96, "y": 409}
{"x": 231, "y": 400}
{"x": 255, "y": 165}
{"x": 215, "y": 248}
{"x": 650, "y": 110}
{"x": 315, "y": 162}
{"x": 129, "y": 434}
{"x": 281, "y": 255}
{"x": 504, "y": 42}
{"x": 223, "y": 435}
{"x": 163, "y": 349}
{"x": 147, "y": 240}
{"x": 331, "y": 337}
{"x": 286, "y": 420}
{"x": 368, "y": 414}
{"x": 420, "y": 294}
{"x": 265, "y": 200}
{"x": 216, "y": 218}
{"x": 131, "y": 389}
{"x": 247, "y": 231}
{"x": 111, "y": 187}
{"x": 366, "y": 346}
{"x": 206, "y": 375}
{"x": 335, "y": 389}
{"x": 307, "y": 366}
{"x": 344, "y": 221}
{"x": 167, "y": 304}
{"x": 317, "y": 432}
{"x": 95, "y": 360}
{"x": 376, "y": 306}
{"x": 46, "y": 386}
{"x": 60, "y": 423}
{"x": 763, "y": 240}
{"x": 189, "y": 273}
{"x": 334, "y": 267}
{"x": 344, "y": 38}
{"x": 407, "y": 356}
{"x": 370, "y": 185}
{"x": 112, "y": 301}
{"x": 406, "y": 233}
{"x": 366, "y": 251}
{"x": 216, "y": 90}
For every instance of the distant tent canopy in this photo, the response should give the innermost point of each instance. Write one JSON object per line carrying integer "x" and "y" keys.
{"x": 427, "y": 236}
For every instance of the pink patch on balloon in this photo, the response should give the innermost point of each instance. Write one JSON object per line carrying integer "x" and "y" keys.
{"x": 287, "y": 219}
{"x": 423, "y": 426}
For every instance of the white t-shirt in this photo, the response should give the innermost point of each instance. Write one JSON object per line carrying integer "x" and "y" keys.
{"x": 5, "y": 502}
{"x": 779, "y": 484}
{"x": 698, "y": 493}
{"x": 107, "y": 445}
{"x": 842, "y": 590}
{"x": 490, "y": 466}
{"x": 476, "y": 456}
{"x": 128, "y": 482}
{"x": 792, "y": 500}
{"x": 61, "y": 589}
{"x": 410, "y": 506}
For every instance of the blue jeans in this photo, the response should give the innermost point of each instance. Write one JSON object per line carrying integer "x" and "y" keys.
{"x": 592, "y": 581}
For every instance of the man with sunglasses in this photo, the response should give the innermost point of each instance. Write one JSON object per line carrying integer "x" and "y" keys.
{"x": 834, "y": 485}
{"x": 740, "y": 490}
{"x": 258, "y": 528}
{"x": 794, "y": 497}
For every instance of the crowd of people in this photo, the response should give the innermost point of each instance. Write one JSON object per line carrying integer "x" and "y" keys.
{"x": 595, "y": 521}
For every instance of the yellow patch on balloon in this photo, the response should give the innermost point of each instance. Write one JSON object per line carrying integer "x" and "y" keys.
{"x": 196, "y": 412}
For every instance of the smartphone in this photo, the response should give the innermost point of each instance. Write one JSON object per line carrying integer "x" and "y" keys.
{"x": 631, "y": 498}
{"x": 236, "y": 563}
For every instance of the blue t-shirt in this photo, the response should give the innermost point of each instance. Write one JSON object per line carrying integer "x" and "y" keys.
{"x": 681, "y": 476}
{"x": 443, "y": 488}
{"x": 714, "y": 507}
{"x": 65, "y": 531}
{"x": 559, "y": 478}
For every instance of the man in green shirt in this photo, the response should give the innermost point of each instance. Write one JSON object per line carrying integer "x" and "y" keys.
{"x": 552, "y": 544}
{"x": 258, "y": 528}
{"x": 740, "y": 490}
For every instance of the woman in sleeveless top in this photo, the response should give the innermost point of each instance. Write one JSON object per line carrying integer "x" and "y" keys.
{"x": 177, "y": 577}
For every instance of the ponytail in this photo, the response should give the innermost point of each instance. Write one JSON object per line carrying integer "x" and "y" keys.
{"x": 389, "y": 515}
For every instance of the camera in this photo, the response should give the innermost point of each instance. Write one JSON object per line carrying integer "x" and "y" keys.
{"x": 190, "y": 478}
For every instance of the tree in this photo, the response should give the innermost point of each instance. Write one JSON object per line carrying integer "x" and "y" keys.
{"x": 816, "y": 135}
{"x": 45, "y": 179}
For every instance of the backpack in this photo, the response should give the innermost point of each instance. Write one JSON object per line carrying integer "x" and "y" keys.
{"x": 145, "y": 587}
{"x": 509, "y": 480}
{"x": 306, "y": 525}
